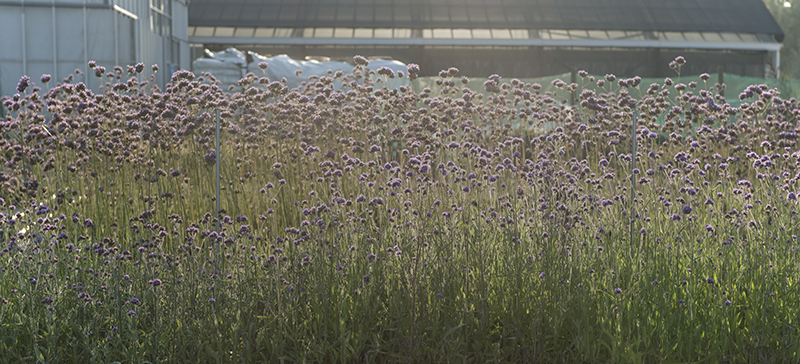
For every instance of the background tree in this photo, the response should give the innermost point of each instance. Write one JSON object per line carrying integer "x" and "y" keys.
{"x": 787, "y": 13}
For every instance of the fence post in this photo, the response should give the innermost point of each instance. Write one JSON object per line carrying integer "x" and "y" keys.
{"x": 219, "y": 231}
{"x": 633, "y": 179}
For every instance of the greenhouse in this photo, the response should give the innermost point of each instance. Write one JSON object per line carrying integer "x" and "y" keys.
{"x": 510, "y": 37}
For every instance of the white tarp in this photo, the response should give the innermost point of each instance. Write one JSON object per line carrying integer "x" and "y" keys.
{"x": 230, "y": 65}
{"x": 227, "y": 66}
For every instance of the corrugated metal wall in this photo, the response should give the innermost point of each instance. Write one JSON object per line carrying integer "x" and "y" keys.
{"x": 58, "y": 37}
{"x": 180, "y": 28}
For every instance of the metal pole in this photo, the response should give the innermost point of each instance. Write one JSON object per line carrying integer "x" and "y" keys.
{"x": 218, "y": 174}
{"x": 633, "y": 177}
{"x": 86, "y": 77}
{"x": 55, "y": 43}
{"x": 116, "y": 33}
{"x": 216, "y": 243}
{"x": 24, "y": 45}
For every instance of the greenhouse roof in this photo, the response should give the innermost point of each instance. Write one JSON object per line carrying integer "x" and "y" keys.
{"x": 534, "y": 16}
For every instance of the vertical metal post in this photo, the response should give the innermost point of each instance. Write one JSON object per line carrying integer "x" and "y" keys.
{"x": 216, "y": 244}
{"x": 55, "y": 42}
{"x": 86, "y": 77}
{"x": 218, "y": 174}
{"x": 24, "y": 42}
{"x": 116, "y": 32}
{"x": 633, "y": 177}
{"x": 138, "y": 32}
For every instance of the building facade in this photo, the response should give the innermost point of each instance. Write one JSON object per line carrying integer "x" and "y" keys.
{"x": 516, "y": 38}
{"x": 58, "y": 37}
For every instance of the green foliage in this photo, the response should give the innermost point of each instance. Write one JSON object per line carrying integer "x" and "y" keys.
{"x": 787, "y": 16}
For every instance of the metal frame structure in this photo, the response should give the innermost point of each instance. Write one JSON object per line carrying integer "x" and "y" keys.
{"x": 60, "y": 36}
{"x": 534, "y": 28}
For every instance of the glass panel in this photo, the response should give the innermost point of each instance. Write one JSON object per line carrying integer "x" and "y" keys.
{"x": 748, "y": 37}
{"x": 481, "y": 33}
{"x": 343, "y": 33}
{"x": 224, "y": 32}
{"x": 264, "y": 32}
{"x": 765, "y": 38}
{"x": 616, "y": 34}
{"x": 673, "y": 36}
{"x": 363, "y": 33}
{"x": 427, "y": 33}
{"x": 204, "y": 32}
{"x": 712, "y": 37}
{"x": 578, "y": 34}
{"x": 635, "y": 36}
{"x": 597, "y": 34}
{"x": 462, "y": 34}
{"x": 383, "y": 33}
{"x": 519, "y": 33}
{"x": 402, "y": 33}
{"x": 731, "y": 37}
{"x": 244, "y": 32}
{"x": 693, "y": 36}
{"x": 323, "y": 33}
{"x": 559, "y": 34}
{"x": 442, "y": 33}
{"x": 283, "y": 32}
{"x": 501, "y": 34}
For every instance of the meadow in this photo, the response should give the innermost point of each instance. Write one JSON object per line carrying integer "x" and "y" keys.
{"x": 359, "y": 219}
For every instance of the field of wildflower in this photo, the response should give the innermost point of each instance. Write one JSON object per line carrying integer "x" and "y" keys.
{"x": 359, "y": 219}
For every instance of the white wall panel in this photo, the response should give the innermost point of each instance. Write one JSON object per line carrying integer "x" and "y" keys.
{"x": 37, "y": 68}
{"x": 101, "y": 37}
{"x": 180, "y": 21}
{"x": 69, "y": 29}
{"x": 126, "y": 44}
{"x": 10, "y": 72}
{"x": 39, "y": 34}
{"x": 66, "y": 68}
{"x": 11, "y": 40}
